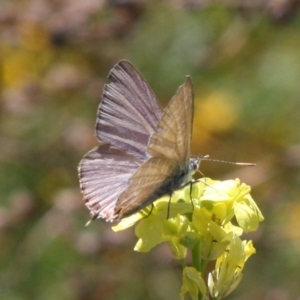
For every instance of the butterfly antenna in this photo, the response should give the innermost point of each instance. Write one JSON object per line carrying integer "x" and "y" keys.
{"x": 229, "y": 162}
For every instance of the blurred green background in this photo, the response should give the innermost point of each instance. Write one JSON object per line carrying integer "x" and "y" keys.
{"x": 244, "y": 58}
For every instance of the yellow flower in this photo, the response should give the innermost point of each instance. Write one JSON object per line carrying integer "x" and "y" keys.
{"x": 150, "y": 232}
{"x": 228, "y": 269}
{"x": 199, "y": 220}
{"x": 192, "y": 284}
{"x": 213, "y": 237}
{"x": 231, "y": 198}
{"x": 247, "y": 214}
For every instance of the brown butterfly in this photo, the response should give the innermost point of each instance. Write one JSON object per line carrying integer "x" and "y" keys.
{"x": 144, "y": 151}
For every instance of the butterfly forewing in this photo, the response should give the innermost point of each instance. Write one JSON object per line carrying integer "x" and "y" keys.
{"x": 129, "y": 111}
{"x": 175, "y": 128}
{"x": 168, "y": 167}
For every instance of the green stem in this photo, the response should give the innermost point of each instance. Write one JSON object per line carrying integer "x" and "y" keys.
{"x": 204, "y": 265}
{"x": 183, "y": 263}
{"x": 196, "y": 257}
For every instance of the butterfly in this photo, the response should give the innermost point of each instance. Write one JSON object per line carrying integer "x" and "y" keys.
{"x": 144, "y": 151}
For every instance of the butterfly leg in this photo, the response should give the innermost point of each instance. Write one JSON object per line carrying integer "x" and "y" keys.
{"x": 191, "y": 186}
{"x": 150, "y": 211}
{"x": 169, "y": 207}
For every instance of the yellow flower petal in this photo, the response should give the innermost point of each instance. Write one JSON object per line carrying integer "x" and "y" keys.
{"x": 228, "y": 269}
{"x": 150, "y": 232}
{"x": 192, "y": 283}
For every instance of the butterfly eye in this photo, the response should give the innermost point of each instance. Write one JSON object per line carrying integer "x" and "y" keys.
{"x": 195, "y": 163}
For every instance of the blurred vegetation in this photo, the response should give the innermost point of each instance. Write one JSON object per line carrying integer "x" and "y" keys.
{"x": 244, "y": 59}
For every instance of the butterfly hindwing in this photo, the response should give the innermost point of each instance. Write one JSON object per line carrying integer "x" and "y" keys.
{"x": 104, "y": 173}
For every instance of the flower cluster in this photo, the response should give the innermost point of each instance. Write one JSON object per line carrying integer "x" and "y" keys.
{"x": 206, "y": 218}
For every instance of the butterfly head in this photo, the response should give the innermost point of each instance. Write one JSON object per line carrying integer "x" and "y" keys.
{"x": 194, "y": 163}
